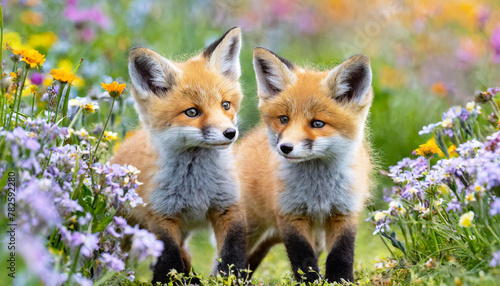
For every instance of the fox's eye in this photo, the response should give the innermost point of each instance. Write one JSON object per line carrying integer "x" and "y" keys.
{"x": 226, "y": 105}
{"x": 283, "y": 119}
{"x": 192, "y": 112}
{"x": 317, "y": 124}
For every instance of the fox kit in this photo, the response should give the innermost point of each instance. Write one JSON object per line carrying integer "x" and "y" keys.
{"x": 305, "y": 173}
{"x": 188, "y": 116}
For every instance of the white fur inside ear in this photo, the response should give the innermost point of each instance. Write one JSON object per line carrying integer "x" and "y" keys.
{"x": 350, "y": 82}
{"x": 152, "y": 75}
{"x": 226, "y": 56}
{"x": 272, "y": 77}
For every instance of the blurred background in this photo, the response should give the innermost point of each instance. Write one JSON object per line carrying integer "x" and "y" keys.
{"x": 426, "y": 55}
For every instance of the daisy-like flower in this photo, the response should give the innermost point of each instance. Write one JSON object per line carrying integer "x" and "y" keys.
{"x": 62, "y": 75}
{"x": 467, "y": 219}
{"x": 110, "y": 136}
{"x": 378, "y": 215}
{"x": 428, "y": 149}
{"x": 447, "y": 123}
{"x": 470, "y": 197}
{"x": 422, "y": 209}
{"x": 114, "y": 89}
{"x": 74, "y": 102}
{"x": 90, "y": 107}
{"x": 31, "y": 57}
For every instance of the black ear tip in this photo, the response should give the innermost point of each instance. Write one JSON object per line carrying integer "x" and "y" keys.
{"x": 233, "y": 28}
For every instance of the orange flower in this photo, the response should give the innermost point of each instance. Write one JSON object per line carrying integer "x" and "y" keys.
{"x": 428, "y": 149}
{"x": 439, "y": 88}
{"x": 32, "y": 57}
{"x": 62, "y": 75}
{"x": 114, "y": 89}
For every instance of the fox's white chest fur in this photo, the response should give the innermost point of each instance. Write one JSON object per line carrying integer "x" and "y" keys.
{"x": 192, "y": 182}
{"x": 319, "y": 188}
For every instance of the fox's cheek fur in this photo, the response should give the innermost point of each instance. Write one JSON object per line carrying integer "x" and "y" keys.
{"x": 320, "y": 144}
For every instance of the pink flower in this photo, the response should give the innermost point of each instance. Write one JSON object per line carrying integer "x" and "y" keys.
{"x": 79, "y": 15}
{"x": 495, "y": 44}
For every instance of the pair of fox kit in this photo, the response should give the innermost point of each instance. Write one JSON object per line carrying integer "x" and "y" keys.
{"x": 301, "y": 178}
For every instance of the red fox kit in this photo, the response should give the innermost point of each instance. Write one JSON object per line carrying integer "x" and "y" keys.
{"x": 188, "y": 117}
{"x": 305, "y": 173}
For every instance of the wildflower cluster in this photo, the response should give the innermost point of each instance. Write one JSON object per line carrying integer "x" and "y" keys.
{"x": 70, "y": 205}
{"x": 445, "y": 202}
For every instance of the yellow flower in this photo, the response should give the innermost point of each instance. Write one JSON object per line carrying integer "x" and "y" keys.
{"x": 470, "y": 197}
{"x": 378, "y": 215}
{"x": 114, "y": 89}
{"x": 452, "y": 150}
{"x": 447, "y": 123}
{"x": 13, "y": 75}
{"x": 13, "y": 40}
{"x": 428, "y": 149}
{"x": 30, "y": 56}
{"x": 444, "y": 189}
{"x": 43, "y": 40}
{"x": 62, "y": 75}
{"x": 479, "y": 189}
{"x": 47, "y": 81}
{"x": 30, "y": 90}
{"x": 466, "y": 220}
{"x": 110, "y": 136}
{"x": 90, "y": 107}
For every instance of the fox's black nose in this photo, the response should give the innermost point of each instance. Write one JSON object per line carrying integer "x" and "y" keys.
{"x": 286, "y": 148}
{"x": 229, "y": 133}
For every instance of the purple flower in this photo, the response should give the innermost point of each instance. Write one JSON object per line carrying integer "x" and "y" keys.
{"x": 144, "y": 244}
{"x": 38, "y": 259}
{"x": 495, "y": 207}
{"x": 495, "y": 261}
{"x": 79, "y": 15}
{"x": 89, "y": 244}
{"x": 112, "y": 262}
{"x": 37, "y": 78}
{"x": 495, "y": 44}
{"x": 464, "y": 114}
{"x": 117, "y": 170}
{"x": 66, "y": 205}
{"x": 493, "y": 90}
{"x": 454, "y": 205}
{"x": 82, "y": 281}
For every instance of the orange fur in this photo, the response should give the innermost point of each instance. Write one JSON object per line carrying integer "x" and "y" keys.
{"x": 305, "y": 97}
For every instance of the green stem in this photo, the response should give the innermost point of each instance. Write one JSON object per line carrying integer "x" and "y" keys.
{"x": 103, "y": 129}
{"x": 66, "y": 99}
{"x": 75, "y": 118}
{"x": 2, "y": 102}
{"x": 65, "y": 105}
{"x": 59, "y": 96}
{"x": 75, "y": 262}
{"x": 495, "y": 108}
{"x": 21, "y": 95}
{"x": 33, "y": 106}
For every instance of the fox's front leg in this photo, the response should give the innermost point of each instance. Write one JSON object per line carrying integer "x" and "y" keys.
{"x": 340, "y": 238}
{"x": 297, "y": 236}
{"x": 230, "y": 233}
{"x": 168, "y": 231}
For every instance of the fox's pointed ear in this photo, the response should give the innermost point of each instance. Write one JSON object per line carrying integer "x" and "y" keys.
{"x": 350, "y": 81}
{"x": 273, "y": 72}
{"x": 150, "y": 73}
{"x": 223, "y": 55}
